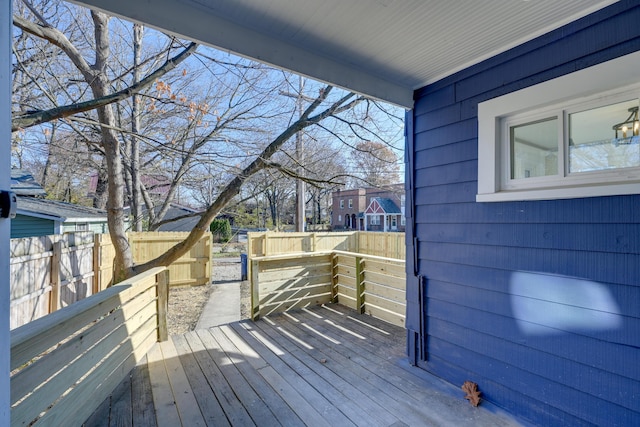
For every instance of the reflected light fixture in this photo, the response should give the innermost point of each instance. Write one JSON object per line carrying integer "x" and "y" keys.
{"x": 631, "y": 125}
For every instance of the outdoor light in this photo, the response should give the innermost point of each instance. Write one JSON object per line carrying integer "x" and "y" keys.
{"x": 632, "y": 123}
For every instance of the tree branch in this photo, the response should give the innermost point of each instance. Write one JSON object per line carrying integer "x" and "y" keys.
{"x": 56, "y": 37}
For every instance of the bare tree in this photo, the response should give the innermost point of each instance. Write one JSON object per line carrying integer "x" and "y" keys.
{"x": 236, "y": 122}
{"x": 375, "y": 164}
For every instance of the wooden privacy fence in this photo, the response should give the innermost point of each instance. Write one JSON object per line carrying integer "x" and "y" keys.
{"x": 51, "y": 272}
{"x": 389, "y": 245}
{"x": 66, "y": 363}
{"x": 368, "y": 283}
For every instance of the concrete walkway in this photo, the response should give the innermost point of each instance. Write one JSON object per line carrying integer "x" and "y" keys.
{"x": 223, "y": 306}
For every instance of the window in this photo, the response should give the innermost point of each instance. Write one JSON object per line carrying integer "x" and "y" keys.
{"x": 341, "y": 204}
{"x": 375, "y": 219}
{"x": 82, "y": 226}
{"x": 339, "y": 218}
{"x": 350, "y": 203}
{"x": 574, "y": 136}
{"x": 403, "y": 221}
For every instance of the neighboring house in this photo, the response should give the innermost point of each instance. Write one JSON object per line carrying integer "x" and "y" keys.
{"x": 41, "y": 217}
{"x": 184, "y": 224}
{"x": 36, "y": 216}
{"x": 369, "y": 209}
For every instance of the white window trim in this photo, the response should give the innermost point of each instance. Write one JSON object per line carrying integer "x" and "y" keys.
{"x": 577, "y": 86}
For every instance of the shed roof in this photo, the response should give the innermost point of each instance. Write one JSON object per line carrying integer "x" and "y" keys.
{"x": 383, "y": 48}
{"x": 58, "y": 211}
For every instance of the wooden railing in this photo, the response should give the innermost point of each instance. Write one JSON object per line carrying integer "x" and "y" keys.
{"x": 369, "y": 284}
{"x": 66, "y": 363}
{"x": 390, "y": 245}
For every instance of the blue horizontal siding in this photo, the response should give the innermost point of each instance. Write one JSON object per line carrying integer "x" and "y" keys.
{"x": 27, "y": 226}
{"x": 471, "y": 253}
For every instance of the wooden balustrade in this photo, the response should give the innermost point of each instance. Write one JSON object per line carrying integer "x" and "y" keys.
{"x": 370, "y": 284}
{"x": 66, "y": 363}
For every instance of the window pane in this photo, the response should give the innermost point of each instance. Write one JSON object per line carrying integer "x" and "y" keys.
{"x": 534, "y": 149}
{"x": 604, "y": 138}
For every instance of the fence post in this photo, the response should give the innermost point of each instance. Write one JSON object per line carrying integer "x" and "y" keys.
{"x": 265, "y": 243}
{"x": 359, "y": 286}
{"x": 96, "y": 263}
{"x": 162, "y": 283}
{"x": 334, "y": 278}
{"x": 255, "y": 294}
{"x": 56, "y": 259}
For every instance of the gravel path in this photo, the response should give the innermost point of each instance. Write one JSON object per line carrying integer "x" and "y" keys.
{"x": 186, "y": 303}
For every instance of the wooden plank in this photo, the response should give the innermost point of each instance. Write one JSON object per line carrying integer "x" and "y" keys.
{"x": 346, "y": 361}
{"x": 143, "y": 411}
{"x": 284, "y": 414}
{"x": 395, "y": 282}
{"x": 254, "y": 405}
{"x": 187, "y": 406}
{"x": 321, "y": 288}
{"x": 273, "y": 272}
{"x": 100, "y": 417}
{"x": 163, "y": 401}
{"x": 319, "y": 376}
{"x": 388, "y": 268}
{"x": 406, "y": 394}
{"x": 205, "y": 396}
{"x": 359, "y": 286}
{"x": 31, "y": 339}
{"x": 393, "y": 294}
{"x": 73, "y": 410}
{"x": 307, "y": 402}
{"x": 162, "y": 289}
{"x": 279, "y": 306}
{"x": 233, "y": 408}
{"x": 294, "y": 283}
{"x": 346, "y": 291}
{"x": 386, "y": 315}
{"x": 54, "y": 299}
{"x": 349, "y": 281}
{"x": 255, "y": 293}
{"x": 343, "y": 386}
{"x": 386, "y": 304}
{"x": 40, "y": 399}
{"x": 121, "y": 409}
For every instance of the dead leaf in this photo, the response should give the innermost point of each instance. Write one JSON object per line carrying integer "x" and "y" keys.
{"x": 472, "y": 392}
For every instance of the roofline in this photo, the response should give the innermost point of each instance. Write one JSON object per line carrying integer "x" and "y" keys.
{"x": 39, "y": 215}
{"x": 59, "y": 218}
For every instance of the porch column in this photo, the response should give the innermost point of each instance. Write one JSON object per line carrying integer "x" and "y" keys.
{"x": 385, "y": 218}
{"x": 5, "y": 184}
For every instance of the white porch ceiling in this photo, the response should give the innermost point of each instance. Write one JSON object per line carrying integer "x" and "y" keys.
{"x": 382, "y": 48}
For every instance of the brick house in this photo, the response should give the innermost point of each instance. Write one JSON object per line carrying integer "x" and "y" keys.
{"x": 372, "y": 209}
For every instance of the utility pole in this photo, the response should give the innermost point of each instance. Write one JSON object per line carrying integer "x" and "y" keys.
{"x": 300, "y": 190}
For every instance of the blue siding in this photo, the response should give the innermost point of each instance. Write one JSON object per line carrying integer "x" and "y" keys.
{"x": 468, "y": 252}
{"x": 26, "y": 226}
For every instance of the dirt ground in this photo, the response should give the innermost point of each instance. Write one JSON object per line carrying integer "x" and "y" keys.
{"x": 186, "y": 303}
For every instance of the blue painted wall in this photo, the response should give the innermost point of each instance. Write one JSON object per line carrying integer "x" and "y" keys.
{"x": 27, "y": 226}
{"x": 469, "y": 253}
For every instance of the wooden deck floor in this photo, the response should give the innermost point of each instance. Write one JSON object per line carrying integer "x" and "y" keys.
{"x": 325, "y": 366}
